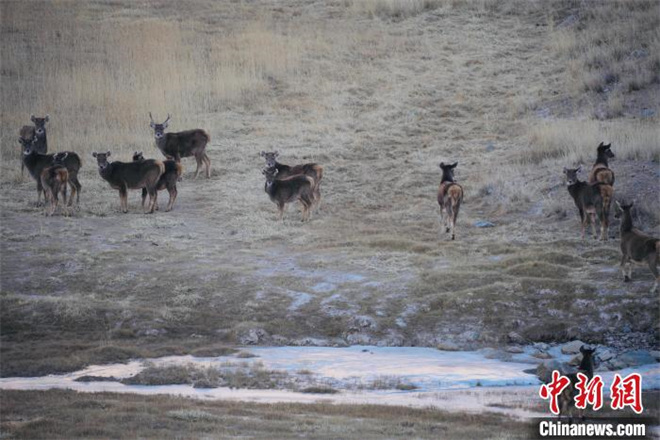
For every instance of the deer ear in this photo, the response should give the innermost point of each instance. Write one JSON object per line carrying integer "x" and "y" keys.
{"x": 276, "y": 153}
{"x": 454, "y": 164}
{"x": 47, "y": 118}
{"x": 442, "y": 164}
{"x": 107, "y": 154}
{"x": 618, "y": 205}
{"x": 262, "y": 154}
{"x": 152, "y": 124}
{"x": 579, "y": 168}
{"x": 601, "y": 144}
{"x": 94, "y": 154}
{"x": 32, "y": 118}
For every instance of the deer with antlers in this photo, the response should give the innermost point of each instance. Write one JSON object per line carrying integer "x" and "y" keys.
{"x": 183, "y": 144}
{"x": 450, "y": 197}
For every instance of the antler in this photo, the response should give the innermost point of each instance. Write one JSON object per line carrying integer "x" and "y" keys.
{"x": 168, "y": 119}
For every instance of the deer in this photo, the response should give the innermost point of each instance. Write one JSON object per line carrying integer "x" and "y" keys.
{"x": 312, "y": 170}
{"x": 54, "y": 180}
{"x": 36, "y": 162}
{"x": 636, "y": 246}
{"x": 450, "y": 197}
{"x": 123, "y": 176}
{"x": 28, "y": 132}
{"x": 591, "y": 201}
{"x": 183, "y": 144}
{"x": 167, "y": 181}
{"x": 567, "y": 396}
{"x": 600, "y": 171}
{"x": 283, "y": 191}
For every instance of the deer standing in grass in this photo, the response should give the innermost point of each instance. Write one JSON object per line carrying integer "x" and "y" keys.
{"x": 591, "y": 201}
{"x": 38, "y": 130}
{"x": 36, "y": 162}
{"x": 54, "y": 180}
{"x": 312, "y": 170}
{"x": 289, "y": 190}
{"x": 167, "y": 181}
{"x": 600, "y": 172}
{"x": 123, "y": 176}
{"x": 636, "y": 246}
{"x": 450, "y": 197}
{"x": 183, "y": 144}
{"x": 567, "y": 396}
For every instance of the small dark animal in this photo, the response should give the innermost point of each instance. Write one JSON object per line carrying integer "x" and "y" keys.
{"x": 123, "y": 176}
{"x": 28, "y": 132}
{"x": 36, "y": 162}
{"x": 590, "y": 200}
{"x": 167, "y": 181}
{"x": 636, "y": 246}
{"x": 450, "y": 197}
{"x": 567, "y": 396}
{"x": 289, "y": 190}
{"x": 600, "y": 171}
{"x": 54, "y": 180}
{"x": 183, "y": 144}
{"x": 312, "y": 170}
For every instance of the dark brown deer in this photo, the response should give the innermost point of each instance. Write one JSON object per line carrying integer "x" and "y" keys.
{"x": 636, "y": 246}
{"x": 600, "y": 171}
{"x": 289, "y": 190}
{"x": 591, "y": 201}
{"x": 54, "y": 180}
{"x": 183, "y": 144}
{"x": 313, "y": 170}
{"x": 28, "y": 132}
{"x": 567, "y": 396}
{"x": 167, "y": 181}
{"x": 36, "y": 162}
{"x": 450, "y": 197}
{"x": 123, "y": 176}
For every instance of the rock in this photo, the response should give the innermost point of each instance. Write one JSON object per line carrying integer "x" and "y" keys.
{"x": 569, "y": 21}
{"x": 358, "y": 339}
{"x": 615, "y": 364}
{"x": 468, "y": 336}
{"x": 447, "y": 346}
{"x": 361, "y": 322}
{"x": 542, "y": 346}
{"x": 515, "y": 338}
{"x": 639, "y": 53}
{"x": 647, "y": 113}
{"x": 655, "y": 354}
{"x": 636, "y": 357}
{"x": 575, "y": 361}
{"x": 604, "y": 354}
{"x": 572, "y": 347}
{"x": 514, "y": 349}
{"x": 544, "y": 369}
{"x": 483, "y": 224}
{"x": 542, "y": 355}
{"x": 253, "y": 336}
{"x": 490, "y": 147}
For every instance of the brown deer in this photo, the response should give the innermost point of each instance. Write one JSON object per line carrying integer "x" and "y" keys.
{"x": 600, "y": 171}
{"x": 636, "y": 246}
{"x": 28, "y": 132}
{"x": 183, "y": 144}
{"x": 289, "y": 190}
{"x": 591, "y": 201}
{"x": 123, "y": 176}
{"x": 54, "y": 180}
{"x": 312, "y": 170}
{"x": 567, "y": 396}
{"x": 450, "y": 197}
{"x": 36, "y": 162}
{"x": 167, "y": 181}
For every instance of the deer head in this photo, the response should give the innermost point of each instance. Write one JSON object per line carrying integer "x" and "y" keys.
{"x": 159, "y": 129}
{"x": 606, "y": 150}
{"x": 271, "y": 158}
{"x": 572, "y": 175}
{"x": 40, "y": 124}
{"x": 102, "y": 159}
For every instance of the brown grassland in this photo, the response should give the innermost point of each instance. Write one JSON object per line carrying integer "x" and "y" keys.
{"x": 378, "y": 92}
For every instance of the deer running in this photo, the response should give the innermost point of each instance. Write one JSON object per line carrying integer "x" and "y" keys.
{"x": 289, "y": 190}
{"x": 38, "y": 130}
{"x": 54, "y": 180}
{"x": 636, "y": 246}
{"x": 591, "y": 201}
{"x": 567, "y": 396}
{"x": 183, "y": 144}
{"x": 167, "y": 181}
{"x": 123, "y": 176}
{"x": 600, "y": 173}
{"x": 450, "y": 197}
{"x": 312, "y": 170}
{"x": 36, "y": 162}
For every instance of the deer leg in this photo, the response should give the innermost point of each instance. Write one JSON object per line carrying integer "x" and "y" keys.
{"x": 64, "y": 205}
{"x": 40, "y": 189}
{"x": 73, "y": 191}
{"x": 624, "y": 260}
{"x": 306, "y": 205}
{"x": 199, "y": 161}
{"x": 653, "y": 265}
{"x": 453, "y": 226}
{"x": 153, "y": 196}
{"x": 54, "y": 200}
{"x": 173, "y": 193}
{"x": 144, "y": 196}
{"x": 280, "y": 208}
{"x": 593, "y": 224}
{"x": 123, "y": 200}
{"x": 207, "y": 162}
{"x": 76, "y": 182}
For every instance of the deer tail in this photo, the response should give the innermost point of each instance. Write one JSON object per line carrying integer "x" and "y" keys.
{"x": 161, "y": 167}
{"x": 606, "y": 192}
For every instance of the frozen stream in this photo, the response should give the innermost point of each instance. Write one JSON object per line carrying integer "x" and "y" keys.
{"x": 459, "y": 381}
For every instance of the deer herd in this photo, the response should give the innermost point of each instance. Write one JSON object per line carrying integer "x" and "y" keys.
{"x": 288, "y": 184}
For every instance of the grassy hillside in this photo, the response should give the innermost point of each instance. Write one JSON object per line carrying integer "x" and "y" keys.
{"x": 378, "y": 92}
